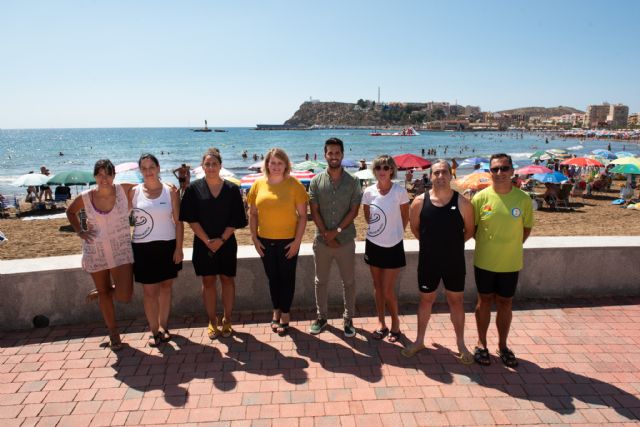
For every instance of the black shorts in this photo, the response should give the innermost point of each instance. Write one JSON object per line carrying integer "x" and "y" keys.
{"x": 153, "y": 261}
{"x": 379, "y": 256}
{"x": 429, "y": 277}
{"x": 501, "y": 284}
{"x": 224, "y": 261}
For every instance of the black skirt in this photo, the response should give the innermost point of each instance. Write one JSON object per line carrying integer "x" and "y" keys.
{"x": 379, "y": 256}
{"x": 153, "y": 261}
{"x": 224, "y": 261}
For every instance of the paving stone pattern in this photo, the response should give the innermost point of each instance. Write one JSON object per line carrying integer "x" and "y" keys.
{"x": 579, "y": 365}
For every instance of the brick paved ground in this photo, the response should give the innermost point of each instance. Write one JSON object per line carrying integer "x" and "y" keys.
{"x": 580, "y": 364}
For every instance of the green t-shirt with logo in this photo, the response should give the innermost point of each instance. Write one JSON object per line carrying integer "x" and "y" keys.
{"x": 500, "y": 220}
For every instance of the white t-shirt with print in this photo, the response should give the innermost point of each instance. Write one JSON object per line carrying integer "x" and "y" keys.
{"x": 385, "y": 220}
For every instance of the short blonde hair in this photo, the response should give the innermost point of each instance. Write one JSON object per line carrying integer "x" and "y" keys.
{"x": 280, "y": 154}
{"x": 386, "y": 159}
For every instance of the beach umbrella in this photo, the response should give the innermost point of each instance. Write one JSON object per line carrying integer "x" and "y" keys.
{"x": 411, "y": 161}
{"x": 537, "y": 154}
{"x": 556, "y": 151}
{"x": 74, "y": 177}
{"x": 604, "y": 153}
{"x": 532, "y": 169}
{"x": 626, "y": 161}
{"x": 551, "y": 178}
{"x": 30, "y": 179}
{"x": 582, "y": 161}
{"x": 349, "y": 163}
{"x": 474, "y": 181}
{"x": 472, "y": 161}
{"x": 624, "y": 154}
{"x": 127, "y": 166}
{"x": 131, "y": 176}
{"x": 257, "y": 166}
{"x": 233, "y": 179}
{"x": 224, "y": 173}
{"x": 629, "y": 168}
{"x": 303, "y": 176}
{"x": 309, "y": 165}
{"x": 365, "y": 174}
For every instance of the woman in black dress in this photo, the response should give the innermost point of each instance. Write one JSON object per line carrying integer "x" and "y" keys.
{"x": 214, "y": 208}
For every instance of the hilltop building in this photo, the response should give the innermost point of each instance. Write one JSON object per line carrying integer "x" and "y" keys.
{"x": 606, "y": 115}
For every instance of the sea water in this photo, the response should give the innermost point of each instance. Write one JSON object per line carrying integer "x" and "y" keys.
{"x": 25, "y": 150}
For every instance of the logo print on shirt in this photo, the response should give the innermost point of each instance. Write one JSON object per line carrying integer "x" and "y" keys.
{"x": 377, "y": 221}
{"x": 143, "y": 222}
{"x": 516, "y": 212}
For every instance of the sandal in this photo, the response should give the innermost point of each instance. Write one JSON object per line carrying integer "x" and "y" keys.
{"x": 481, "y": 356}
{"x": 508, "y": 358}
{"x": 115, "y": 343}
{"x": 213, "y": 331}
{"x": 274, "y": 325}
{"x": 283, "y": 329}
{"x": 411, "y": 351}
{"x": 394, "y": 336}
{"x": 465, "y": 358}
{"x": 227, "y": 330}
{"x": 165, "y": 335}
{"x": 380, "y": 333}
{"x": 155, "y": 339}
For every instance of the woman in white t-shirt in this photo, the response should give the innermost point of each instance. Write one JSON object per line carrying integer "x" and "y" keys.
{"x": 386, "y": 210}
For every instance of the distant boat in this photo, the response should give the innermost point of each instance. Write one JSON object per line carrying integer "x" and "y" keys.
{"x": 220, "y": 130}
{"x": 205, "y": 129}
{"x": 410, "y": 131}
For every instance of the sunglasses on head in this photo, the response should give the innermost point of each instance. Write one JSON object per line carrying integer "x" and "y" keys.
{"x": 500, "y": 168}
{"x": 384, "y": 168}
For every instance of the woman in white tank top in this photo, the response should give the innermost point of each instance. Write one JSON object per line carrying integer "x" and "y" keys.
{"x": 157, "y": 245}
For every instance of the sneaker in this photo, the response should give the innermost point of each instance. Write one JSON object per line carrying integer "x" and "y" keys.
{"x": 349, "y": 330}
{"x": 317, "y": 326}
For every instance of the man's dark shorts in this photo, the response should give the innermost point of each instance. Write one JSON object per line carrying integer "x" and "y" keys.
{"x": 501, "y": 284}
{"x": 453, "y": 280}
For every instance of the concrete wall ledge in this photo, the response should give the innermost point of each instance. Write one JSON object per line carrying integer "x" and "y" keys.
{"x": 555, "y": 267}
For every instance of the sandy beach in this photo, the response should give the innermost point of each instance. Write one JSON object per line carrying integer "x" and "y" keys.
{"x": 592, "y": 216}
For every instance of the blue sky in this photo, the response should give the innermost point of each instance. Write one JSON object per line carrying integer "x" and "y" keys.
{"x": 238, "y": 63}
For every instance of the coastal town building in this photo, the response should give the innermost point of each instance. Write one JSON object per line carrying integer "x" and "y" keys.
{"x": 606, "y": 115}
{"x": 633, "y": 119}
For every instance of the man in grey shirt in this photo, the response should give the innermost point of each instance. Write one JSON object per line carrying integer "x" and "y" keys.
{"x": 334, "y": 199}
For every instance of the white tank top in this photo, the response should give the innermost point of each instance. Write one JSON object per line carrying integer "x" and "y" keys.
{"x": 153, "y": 217}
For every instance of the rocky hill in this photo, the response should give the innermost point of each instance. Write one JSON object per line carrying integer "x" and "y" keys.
{"x": 542, "y": 111}
{"x": 334, "y": 114}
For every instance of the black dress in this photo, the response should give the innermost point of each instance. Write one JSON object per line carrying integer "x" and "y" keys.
{"x": 214, "y": 214}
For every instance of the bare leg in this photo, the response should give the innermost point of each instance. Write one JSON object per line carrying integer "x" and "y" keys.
{"x": 389, "y": 288}
{"x": 228, "y": 295}
{"x": 102, "y": 280}
{"x": 456, "y": 308}
{"x": 424, "y": 314}
{"x": 378, "y": 293}
{"x": 122, "y": 276}
{"x": 503, "y": 319}
{"x": 209, "y": 296}
{"x": 483, "y": 317}
{"x": 164, "y": 303}
{"x": 151, "y": 309}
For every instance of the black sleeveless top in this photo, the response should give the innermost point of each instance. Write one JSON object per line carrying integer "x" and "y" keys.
{"x": 442, "y": 231}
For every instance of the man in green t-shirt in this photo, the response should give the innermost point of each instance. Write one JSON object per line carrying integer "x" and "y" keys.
{"x": 503, "y": 219}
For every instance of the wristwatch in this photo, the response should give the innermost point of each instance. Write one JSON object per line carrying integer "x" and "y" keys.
{"x": 339, "y": 230}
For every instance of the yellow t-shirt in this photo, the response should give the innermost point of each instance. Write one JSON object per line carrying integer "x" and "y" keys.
{"x": 500, "y": 221}
{"x": 277, "y": 215}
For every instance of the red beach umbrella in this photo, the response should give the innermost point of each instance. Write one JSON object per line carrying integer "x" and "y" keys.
{"x": 582, "y": 161}
{"x": 411, "y": 161}
{"x": 532, "y": 169}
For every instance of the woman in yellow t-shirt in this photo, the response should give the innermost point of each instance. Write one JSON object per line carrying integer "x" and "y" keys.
{"x": 277, "y": 219}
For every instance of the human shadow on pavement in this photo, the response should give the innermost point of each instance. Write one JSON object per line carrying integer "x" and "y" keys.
{"x": 558, "y": 389}
{"x": 358, "y": 356}
{"x": 175, "y": 364}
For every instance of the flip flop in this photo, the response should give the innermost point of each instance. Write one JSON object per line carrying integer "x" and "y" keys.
{"x": 465, "y": 358}
{"x": 274, "y": 325}
{"x": 409, "y": 352}
{"x": 165, "y": 335}
{"x": 380, "y": 333}
{"x": 283, "y": 329}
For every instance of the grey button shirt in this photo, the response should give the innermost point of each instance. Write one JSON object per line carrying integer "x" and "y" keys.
{"x": 335, "y": 201}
